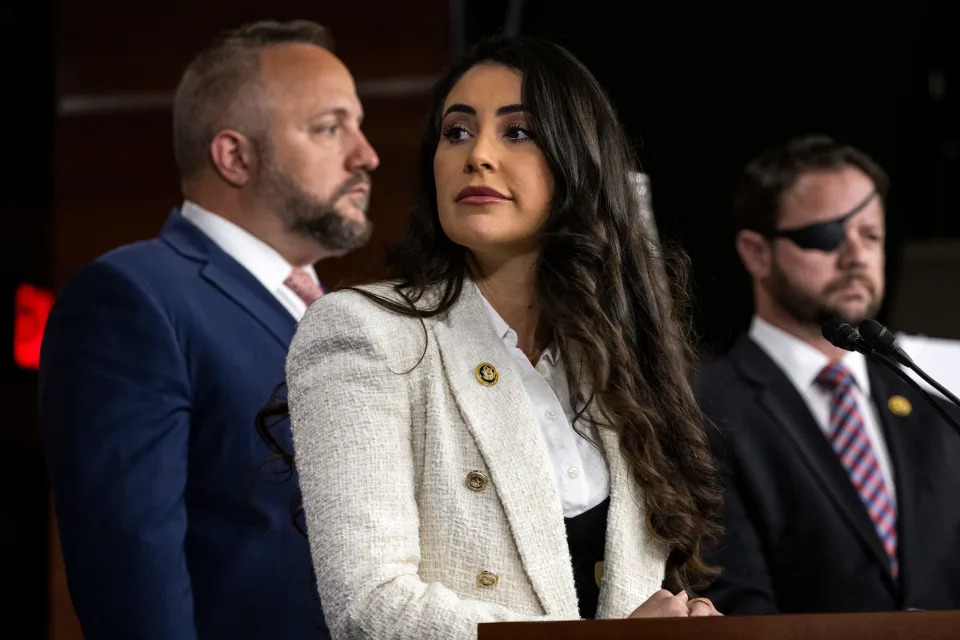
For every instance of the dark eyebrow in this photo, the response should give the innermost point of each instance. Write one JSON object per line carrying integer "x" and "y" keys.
{"x": 463, "y": 108}
{"x": 460, "y": 108}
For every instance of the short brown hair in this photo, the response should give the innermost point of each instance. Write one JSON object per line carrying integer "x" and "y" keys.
{"x": 771, "y": 174}
{"x": 219, "y": 88}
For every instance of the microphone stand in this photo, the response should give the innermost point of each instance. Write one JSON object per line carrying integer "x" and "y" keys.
{"x": 880, "y": 339}
{"x": 878, "y": 357}
{"x": 933, "y": 383}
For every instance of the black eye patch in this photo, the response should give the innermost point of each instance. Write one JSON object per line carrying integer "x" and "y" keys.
{"x": 822, "y": 236}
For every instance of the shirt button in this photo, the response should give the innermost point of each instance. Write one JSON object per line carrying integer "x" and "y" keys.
{"x": 542, "y": 369}
{"x": 551, "y": 414}
{"x": 573, "y": 472}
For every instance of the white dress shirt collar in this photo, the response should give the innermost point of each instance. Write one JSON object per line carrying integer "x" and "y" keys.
{"x": 801, "y": 362}
{"x": 256, "y": 256}
{"x": 508, "y": 335}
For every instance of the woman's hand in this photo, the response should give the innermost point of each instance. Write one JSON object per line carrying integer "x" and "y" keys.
{"x": 664, "y": 604}
{"x": 701, "y": 607}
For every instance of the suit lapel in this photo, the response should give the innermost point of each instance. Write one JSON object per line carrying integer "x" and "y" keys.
{"x": 902, "y": 433}
{"x": 634, "y": 562}
{"x": 240, "y": 286}
{"x": 507, "y": 433}
{"x": 229, "y": 277}
{"x": 787, "y": 409}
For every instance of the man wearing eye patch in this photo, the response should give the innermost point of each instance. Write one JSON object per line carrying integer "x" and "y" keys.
{"x": 837, "y": 475}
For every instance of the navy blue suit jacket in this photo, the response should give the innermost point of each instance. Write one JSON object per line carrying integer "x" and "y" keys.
{"x": 155, "y": 361}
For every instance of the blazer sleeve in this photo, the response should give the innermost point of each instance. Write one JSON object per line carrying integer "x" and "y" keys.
{"x": 349, "y": 376}
{"x": 115, "y": 415}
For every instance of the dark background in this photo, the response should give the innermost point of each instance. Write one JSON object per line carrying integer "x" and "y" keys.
{"x": 703, "y": 89}
{"x": 700, "y": 90}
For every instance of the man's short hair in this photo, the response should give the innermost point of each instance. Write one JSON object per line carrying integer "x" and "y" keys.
{"x": 221, "y": 88}
{"x": 771, "y": 174}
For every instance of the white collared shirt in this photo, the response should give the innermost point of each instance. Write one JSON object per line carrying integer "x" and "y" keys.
{"x": 802, "y": 364}
{"x": 579, "y": 468}
{"x": 255, "y": 255}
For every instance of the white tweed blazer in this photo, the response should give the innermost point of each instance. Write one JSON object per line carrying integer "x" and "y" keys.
{"x": 384, "y": 443}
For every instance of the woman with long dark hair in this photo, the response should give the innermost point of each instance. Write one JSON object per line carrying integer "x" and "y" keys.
{"x": 505, "y": 431}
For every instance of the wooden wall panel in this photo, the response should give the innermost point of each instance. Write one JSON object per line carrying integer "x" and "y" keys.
{"x": 116, "y": 46}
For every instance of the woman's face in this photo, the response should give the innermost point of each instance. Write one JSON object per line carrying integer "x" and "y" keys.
{"x": 493, "y": 183}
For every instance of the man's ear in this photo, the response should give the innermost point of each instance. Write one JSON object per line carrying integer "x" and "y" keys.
{"x": 755, "y": 253}
{"x": 233, "y": 157}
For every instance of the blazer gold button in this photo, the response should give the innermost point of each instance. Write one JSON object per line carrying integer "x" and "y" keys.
{"x": 598, "y": 572}
{"x": 487, "y": 579}
{"x": 899, "y": 406}
{"x": 487, "y": 374}
{"x": 477, "y": 480}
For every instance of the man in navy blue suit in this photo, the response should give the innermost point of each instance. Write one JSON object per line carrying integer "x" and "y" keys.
{"x": 158, "y": 355}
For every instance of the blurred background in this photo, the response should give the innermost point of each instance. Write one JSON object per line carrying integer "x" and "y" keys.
{"x": 88, "y": 165}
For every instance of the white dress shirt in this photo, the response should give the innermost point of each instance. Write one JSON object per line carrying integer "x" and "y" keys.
{"x": 255, "y": 255}
{"x": 579, "y": 468}
{"x": 802, "y": 364}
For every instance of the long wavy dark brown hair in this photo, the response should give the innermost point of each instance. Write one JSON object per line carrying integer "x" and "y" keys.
{"x": 609, "y": 293}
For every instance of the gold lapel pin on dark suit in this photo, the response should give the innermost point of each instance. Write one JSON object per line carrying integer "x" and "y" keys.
{"x": 899, "y": 406}
{"x": 487, "y": 374}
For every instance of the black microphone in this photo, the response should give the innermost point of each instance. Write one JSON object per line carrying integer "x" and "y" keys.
{"x": 877, "y": 336}
{"x": 883, "y": 341}
{"x": 842, "y": 335}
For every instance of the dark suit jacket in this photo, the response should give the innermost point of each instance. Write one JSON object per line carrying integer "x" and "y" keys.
{"x": 155, "y": 361}
{"x": 798, "y": 537}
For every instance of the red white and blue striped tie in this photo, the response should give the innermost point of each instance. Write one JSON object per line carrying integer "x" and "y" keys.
{"x": 851, "y": 444}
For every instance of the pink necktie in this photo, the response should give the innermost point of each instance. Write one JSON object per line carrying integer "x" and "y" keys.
{"x": 850, "y": 441}
{"x": 303, "y": 285}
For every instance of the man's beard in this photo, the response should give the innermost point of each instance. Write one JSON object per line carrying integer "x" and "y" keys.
{"x": 815, "y": 310}
{"x": 307, "y": 215}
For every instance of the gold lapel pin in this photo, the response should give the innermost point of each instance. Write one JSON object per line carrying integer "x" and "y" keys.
{"x": 487, "y": 374}
{"x": 899, "y": 406}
